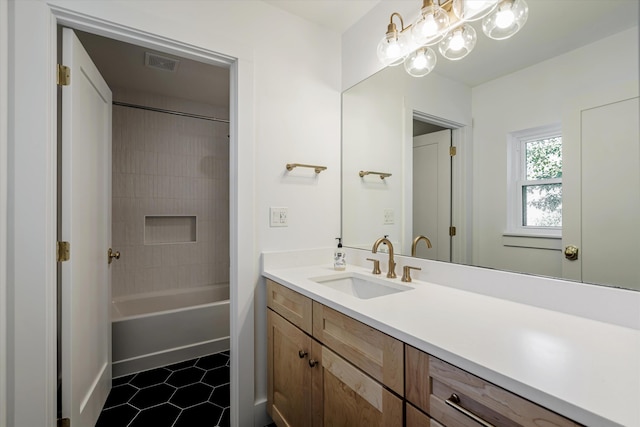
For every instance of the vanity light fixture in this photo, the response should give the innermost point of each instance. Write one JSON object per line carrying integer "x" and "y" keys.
{"x": 446, "y": 23}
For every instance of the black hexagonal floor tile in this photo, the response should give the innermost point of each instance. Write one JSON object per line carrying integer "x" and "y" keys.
{"x": 182, "y": 365}
{"x": 119, "y": 395}
{"x": 225, "y": 419}
{"x": 221, "y": 396}
{"x": 191, "y": 395}
{"x": 121, "y": 380}
{"x": 159, "y": 416}
{"x": 213, "y": 361}
{"x": 152, "y": 396}
{"x": 118, "y": 416}
{"x": 185, "y": 376}
{"x": 149, "y": 378}
{"x": 216, "y": 377}
{"x": 202, "y": 415}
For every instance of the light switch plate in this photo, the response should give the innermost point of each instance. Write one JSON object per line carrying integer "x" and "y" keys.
{"x": 389, "y": 217}
{"x": 279, "y": 217}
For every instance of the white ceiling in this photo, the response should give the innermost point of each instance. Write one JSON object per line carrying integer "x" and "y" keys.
{"x": 123, "y": 66}
{"x": 553, "y": 27}
{"x": 335, "y": 14}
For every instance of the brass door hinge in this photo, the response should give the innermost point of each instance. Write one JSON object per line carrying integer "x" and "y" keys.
{"x": 452, "y": 151}
{"x": 64, "y": 422}
{"x": 63, "y": 251}
{"x": 452, "y": 231}
{"x": 63, "y": 75}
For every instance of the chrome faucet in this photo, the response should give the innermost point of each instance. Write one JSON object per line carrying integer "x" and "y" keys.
{"x": 391, "y": 273}
{"x": 415, "y": 243}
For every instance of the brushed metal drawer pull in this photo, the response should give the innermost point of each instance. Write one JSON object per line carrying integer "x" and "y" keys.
{"x": 302, "y": 354}
{"x": 454, "y": 402}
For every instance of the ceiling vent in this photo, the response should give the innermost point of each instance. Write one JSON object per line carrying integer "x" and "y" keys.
{"x": 153, "y": 60}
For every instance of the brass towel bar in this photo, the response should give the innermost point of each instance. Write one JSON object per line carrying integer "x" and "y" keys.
{"x": 383, "y": 175}
{"x": 318, "y": 169}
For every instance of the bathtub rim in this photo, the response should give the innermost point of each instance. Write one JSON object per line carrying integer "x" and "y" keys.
{"x": 116, "y": 315}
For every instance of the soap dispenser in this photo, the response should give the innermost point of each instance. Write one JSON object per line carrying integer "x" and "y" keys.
{"x": 339, "y": 261}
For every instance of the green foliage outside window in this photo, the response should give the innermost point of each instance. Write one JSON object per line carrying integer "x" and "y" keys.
{"x": 542, "y": 202}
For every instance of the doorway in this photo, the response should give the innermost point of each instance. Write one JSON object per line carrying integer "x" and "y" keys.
{"x": 171, "y": 190}
{"x": 432, "y": 189}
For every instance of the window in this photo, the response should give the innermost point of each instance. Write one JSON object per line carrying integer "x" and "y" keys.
{"x": 536, "y": 181}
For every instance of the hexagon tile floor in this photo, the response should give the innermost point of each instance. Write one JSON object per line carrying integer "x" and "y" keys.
{"x": 194, "y": 393}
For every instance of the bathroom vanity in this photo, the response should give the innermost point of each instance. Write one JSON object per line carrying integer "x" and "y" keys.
{"x": 422, "y": 354}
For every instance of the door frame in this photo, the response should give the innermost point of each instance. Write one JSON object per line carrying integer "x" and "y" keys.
{"x": 4, "y": 87}
{"x": 461, "y": 181}
{"x": 32, "y": 264}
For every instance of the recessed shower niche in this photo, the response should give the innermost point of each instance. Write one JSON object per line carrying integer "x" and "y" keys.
{"x": 169, "y": 229}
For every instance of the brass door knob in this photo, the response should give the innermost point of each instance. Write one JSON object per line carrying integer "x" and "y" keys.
{"x": 571, "y": 252}
{"x": 111, "y": 255}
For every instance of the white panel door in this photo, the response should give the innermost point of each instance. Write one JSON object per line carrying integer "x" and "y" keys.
{"x": 611, "y": 194}
{"x": 601, "y": 185}
{"x": 432, "y": 194}
{"x": 86, "y": 224}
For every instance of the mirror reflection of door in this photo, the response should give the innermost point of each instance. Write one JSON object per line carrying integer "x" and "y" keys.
{"x": 605, "y": 199}
{"x": 432, "y": 190}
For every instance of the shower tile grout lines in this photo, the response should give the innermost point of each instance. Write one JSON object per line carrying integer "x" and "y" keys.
{"x": 193, "y": 393}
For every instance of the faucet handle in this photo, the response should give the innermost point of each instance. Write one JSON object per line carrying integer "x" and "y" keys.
{"x": 376, "y": 265}
{"x": 406, "y": 272}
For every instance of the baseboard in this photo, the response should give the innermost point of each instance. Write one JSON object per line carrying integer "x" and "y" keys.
{"x": 167, "y": 357}
{"x": 260, "y": 416}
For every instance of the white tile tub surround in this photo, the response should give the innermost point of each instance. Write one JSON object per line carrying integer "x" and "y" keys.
{"x": 166, "y": 165}
{"x": 166, "y": 327}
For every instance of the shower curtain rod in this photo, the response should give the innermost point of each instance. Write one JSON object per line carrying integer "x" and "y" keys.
{"x": 175, "y": 113}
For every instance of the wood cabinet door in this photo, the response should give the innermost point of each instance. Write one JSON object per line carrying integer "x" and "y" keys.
{"x": 289, "y": 373}
{"x": 350, "y": 398}
{"x": 377, "y": 354}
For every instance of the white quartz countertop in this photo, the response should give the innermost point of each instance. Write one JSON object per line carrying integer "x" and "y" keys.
{"x": 586, "y": 370}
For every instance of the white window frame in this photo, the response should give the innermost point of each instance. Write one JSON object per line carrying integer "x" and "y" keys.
{"x": 516, "y": 166}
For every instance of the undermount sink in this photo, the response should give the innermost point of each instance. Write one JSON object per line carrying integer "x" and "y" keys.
{"x": 360, "y": 285}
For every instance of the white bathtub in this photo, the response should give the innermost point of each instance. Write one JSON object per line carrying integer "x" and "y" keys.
{"x": 156, "y": 329}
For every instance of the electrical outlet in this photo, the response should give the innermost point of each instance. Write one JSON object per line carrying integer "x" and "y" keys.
{"x": 389, "y": 217}
{"x": 279, "y": 217}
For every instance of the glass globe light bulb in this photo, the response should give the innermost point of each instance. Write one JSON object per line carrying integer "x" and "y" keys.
{"x": 431, "y": 25}
{"x": 458, "y": 43}
{"x": 420, "y": 62}
{"x": 473, "y": 10}
{"x": 506, "y": 20}
{"x": 392, "y": 49}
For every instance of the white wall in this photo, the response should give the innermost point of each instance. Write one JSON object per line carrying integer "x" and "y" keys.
{"x": 533, "y": 97}
{"x": 289, "y": 111}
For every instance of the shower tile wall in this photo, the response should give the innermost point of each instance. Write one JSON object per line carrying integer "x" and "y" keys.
{"x": 166, "y": 165}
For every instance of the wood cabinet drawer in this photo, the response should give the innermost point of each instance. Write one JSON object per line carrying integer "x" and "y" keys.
{"x": 352, "y": 398}
{"x": 372, "y": 351}
{"x": 294, "y": 307}
{"x": 432, "y": 384}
